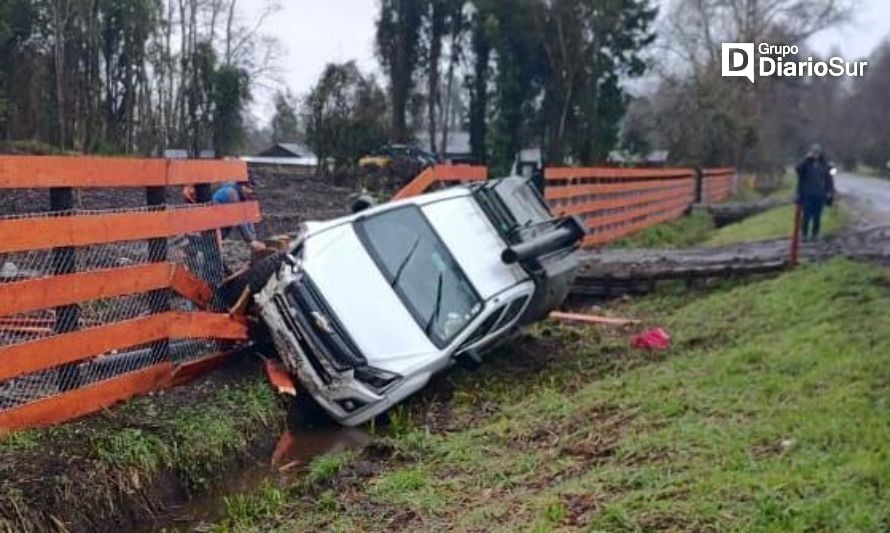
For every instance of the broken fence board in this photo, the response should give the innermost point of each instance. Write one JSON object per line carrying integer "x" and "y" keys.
{"x": 593, "y": 319}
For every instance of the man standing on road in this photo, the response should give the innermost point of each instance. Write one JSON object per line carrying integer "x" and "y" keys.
{"x": 815, "y": 190}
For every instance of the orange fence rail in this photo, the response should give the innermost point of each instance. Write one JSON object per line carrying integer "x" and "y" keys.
{"x": 97, "y": 305}
{"x": 612, "y": 202}
{"x": 441, "y": 176}
{"x": 718, "y": 184}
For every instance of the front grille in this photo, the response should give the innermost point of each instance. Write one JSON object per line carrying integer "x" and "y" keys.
{"x": 310, "y": 352}
{"x": 336, "y": 346}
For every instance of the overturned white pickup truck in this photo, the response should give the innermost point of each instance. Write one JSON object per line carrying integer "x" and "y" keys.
{"x": 364, "y": 309}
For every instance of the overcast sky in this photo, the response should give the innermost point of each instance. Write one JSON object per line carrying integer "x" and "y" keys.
{"x": 316, "y": 32}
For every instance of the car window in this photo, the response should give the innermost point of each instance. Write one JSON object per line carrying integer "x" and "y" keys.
{"x": 421, "y": 270}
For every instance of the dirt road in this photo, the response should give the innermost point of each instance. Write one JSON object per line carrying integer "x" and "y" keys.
{"x": 870, "y": 196}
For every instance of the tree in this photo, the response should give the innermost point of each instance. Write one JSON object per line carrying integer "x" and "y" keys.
{"x": 123, "y": 76}
{"x": 437, "y": 22}
{"x": 17, "y": 20}
{"x": 726, "y": 120}
{"x": 867, "y": 116}
{"x": 482, "y": 25}
{"x": 231, "y": 91}
{"x": 452, "y": 103}
{"x": 285, "y": 126}
{"x": 398, "y": 32}
{"x": 344, "y": 115}
{"x": 624, "y": 33}
{"x": 517, "y": 80}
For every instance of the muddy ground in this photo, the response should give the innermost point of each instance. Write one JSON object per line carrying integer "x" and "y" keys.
{"x": 119, "y": 468}
{"x": 97, "y": 475}
{"x": 287, "y": 200}
{"x": 114, "y": 470}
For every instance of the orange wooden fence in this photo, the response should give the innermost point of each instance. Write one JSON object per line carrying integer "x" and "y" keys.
{"x": 612, "y": 202}
{"x": 100, "y": 305}
{"x": 441, "y": 176}
{"x": 718, "y": 184}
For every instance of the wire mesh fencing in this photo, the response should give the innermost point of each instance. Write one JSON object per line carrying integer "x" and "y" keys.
{"x": 199, "y": 253}
{"x": 73, "y": 318}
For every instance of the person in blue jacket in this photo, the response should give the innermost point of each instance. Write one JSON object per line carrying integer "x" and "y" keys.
{"x": 815, "y": 190}
{"x": 232, "y": 192}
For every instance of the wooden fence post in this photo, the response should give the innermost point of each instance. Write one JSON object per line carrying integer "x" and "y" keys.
{"x": 64, "y": 261}
{"x": 159, "y": 300}
{"x": 699, "y": 184}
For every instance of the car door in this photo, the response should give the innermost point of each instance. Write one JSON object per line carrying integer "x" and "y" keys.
{"x": 496, "y": 324}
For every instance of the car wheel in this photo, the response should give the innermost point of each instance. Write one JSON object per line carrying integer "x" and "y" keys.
{"x": 254, "y": 278}
{"x": 305, "y": 413}
{"x": 363, "y": 202}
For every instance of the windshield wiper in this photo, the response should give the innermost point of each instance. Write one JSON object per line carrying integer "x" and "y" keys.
{"x": 404, "y": 262}
{"x": 435, "y": 315}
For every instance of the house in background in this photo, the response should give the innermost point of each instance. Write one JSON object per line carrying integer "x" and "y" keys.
{"x": 624, "y": 158}
{"x": 657, "y": 158}
{"x": 284, "y": 158}
{"x": 458, "y": 151}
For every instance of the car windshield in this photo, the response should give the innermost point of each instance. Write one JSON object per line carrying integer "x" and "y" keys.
{"x": 421, "y": 270}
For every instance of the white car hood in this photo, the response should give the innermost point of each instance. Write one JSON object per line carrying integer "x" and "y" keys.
{"x": 362, "y": 300}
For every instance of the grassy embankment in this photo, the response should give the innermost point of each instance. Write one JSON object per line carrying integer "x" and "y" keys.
{"x": 772, "y": 224}
{"x": 697, "y": 229}
{"x": 770, "y": 412}
{"x": 117, "y": 466}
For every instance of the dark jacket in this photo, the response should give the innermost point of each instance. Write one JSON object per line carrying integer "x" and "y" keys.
{"x": 814, "y": 179}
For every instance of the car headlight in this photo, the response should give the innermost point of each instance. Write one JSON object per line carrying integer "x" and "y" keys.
{"x": 376, "y": 378}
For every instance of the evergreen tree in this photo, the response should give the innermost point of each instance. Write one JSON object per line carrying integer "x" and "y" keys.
{"x": 285, "y": 126}
{"x": 398, "y": 39}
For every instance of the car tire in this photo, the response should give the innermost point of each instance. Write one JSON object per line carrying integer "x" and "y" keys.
{"x": 362, "y": 203}
{"x": 254, "y": 278}
{"x": 305, "y": 413}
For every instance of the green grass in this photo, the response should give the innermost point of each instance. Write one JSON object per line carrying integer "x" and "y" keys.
{"x": 770, "y": 412}
{"x": 325, "y": 467}
{"x": 698, "y": 228}
{"x": 242, "y": 510}
{"x": 188, "y": 437}
{"x": 194, "y": 440}
{"x": 680, "y": 233}
{"x": 775, "y": 223}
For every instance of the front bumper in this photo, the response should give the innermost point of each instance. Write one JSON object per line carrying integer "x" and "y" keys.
{"x": 347, "y": 399}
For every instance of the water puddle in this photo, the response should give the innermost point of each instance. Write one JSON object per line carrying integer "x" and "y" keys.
{"x": 296, "y": 449}
{"x": 292, "y": 453}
